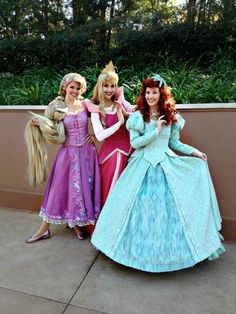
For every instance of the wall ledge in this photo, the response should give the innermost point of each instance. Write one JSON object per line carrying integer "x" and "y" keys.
{"x": 205, "y": 106}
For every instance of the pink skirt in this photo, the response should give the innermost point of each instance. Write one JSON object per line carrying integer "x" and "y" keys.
{"x": 110, "y": 172}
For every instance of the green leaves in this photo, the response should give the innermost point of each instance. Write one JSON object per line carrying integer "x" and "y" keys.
{"x": 189, "y": 83}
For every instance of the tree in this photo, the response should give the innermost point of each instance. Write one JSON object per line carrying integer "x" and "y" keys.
{"x": 19, "y": 18}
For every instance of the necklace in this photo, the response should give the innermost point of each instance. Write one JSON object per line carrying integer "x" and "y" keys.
{"x": 154, "y": 114}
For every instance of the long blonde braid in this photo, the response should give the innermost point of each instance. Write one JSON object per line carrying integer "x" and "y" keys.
{"x": 50, "y": 129}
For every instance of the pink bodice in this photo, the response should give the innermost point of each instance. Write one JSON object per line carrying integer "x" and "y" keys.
{"x": 76, "y": 128}
{"x": 119, "y": 141}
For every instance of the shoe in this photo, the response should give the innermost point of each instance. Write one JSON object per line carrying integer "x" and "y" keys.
{"x": 43, "y": 236}
{"x": 81, "y": 234}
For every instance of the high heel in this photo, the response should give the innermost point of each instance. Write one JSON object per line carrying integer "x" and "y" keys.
{"x": 43, "y": 236}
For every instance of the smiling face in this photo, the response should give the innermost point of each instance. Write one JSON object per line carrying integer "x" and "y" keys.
{"x": 152, "y": 96}
{"x": 73, "y": 90}
{"x": 109, "y": 89}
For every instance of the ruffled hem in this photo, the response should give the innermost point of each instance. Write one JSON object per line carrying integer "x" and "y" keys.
{"x": 219, "y": 251}
{"x": 71, "y": 223}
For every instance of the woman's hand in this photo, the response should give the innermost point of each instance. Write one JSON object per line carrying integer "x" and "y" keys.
{"x": 90, "y": 139}
{"x": 35, "y": 121}
{"x": 199, "y": 154}
{"x": 161, "y": 123}
{"x": 125, "y": 113}
{"x": 120, "y": 116}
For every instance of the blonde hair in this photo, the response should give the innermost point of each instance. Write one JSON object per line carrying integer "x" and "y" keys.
{"x": 98, "y": 95}
{"x": 51, "y": 129}
{"x": 72, "y": 77}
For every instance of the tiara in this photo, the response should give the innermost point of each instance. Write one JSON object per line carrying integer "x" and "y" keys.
{"x": 109, "y": 68}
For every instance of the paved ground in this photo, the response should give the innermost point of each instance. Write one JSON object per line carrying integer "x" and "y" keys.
{"x": 65, "y": 275}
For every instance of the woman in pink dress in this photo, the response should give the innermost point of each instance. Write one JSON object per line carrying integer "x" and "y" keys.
{"x": 109, "y": 126}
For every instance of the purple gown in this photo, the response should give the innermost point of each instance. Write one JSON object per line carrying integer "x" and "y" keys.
{"x": 72, "y": 193}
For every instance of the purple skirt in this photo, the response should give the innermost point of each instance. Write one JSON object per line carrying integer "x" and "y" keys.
{"x": 72, "y": 193}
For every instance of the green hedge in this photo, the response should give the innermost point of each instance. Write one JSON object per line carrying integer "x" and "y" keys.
{"x": 189, "y": 83}
{"x": 82, "y": 47}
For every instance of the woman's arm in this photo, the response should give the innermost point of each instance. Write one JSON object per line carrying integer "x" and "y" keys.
{"x": 101, "y": 133}
{"x": 138, "y": 140}
{"x": 127, "y": 107}
{"x": 176, "y": 144}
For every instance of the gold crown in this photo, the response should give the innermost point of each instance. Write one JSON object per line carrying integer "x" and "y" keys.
{"x": 109, "y": 67}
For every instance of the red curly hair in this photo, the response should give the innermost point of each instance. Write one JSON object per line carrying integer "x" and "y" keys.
{"x": 166, "y": 102}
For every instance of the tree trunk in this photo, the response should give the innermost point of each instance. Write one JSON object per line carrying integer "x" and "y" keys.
{"x": 112, "y": 14}
{"x": 45, "y": 6}
{"x": 80, "y": 14}
{"x": 191, "y": 11}
{"x": 229, "y": 7}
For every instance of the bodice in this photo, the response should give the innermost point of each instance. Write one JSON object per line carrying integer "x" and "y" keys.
{"x": 76, "y": 128}
{"x": 121, "y": 135}
{"x": 154, "y": 145}
{"x": 155, "y": 151}
{"x": 160, "y": 142}
{"x": 118, "y": 141}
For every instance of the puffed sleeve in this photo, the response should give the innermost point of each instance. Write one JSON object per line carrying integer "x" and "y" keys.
{"x": 139, "y": 138}
{"x": 91, "y": 107}
{"x": 174, "y": 141}
{"x": 121, "y": 99}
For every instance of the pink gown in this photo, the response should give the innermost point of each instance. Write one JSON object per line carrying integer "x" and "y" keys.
{"x": 116, "y": 149}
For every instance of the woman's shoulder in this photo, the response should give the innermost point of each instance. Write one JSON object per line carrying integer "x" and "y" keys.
{"x": 91, "y": 107}
{"x": 57, "y": 104}
{"x": 135, "y": 122}
{"x": 180, "y": 122}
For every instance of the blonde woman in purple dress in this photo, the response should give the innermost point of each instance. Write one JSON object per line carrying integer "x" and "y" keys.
{"x": 72, "y": 194}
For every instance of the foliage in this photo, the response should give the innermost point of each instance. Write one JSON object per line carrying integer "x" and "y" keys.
{"x": 84, "y": 46}
{"x": 190, "y": 83}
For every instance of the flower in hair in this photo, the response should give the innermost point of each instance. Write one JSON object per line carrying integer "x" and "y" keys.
{"x": 157, "y": 77}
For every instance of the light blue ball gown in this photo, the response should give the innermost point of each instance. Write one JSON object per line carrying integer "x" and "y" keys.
{"x": 162, "y": 215}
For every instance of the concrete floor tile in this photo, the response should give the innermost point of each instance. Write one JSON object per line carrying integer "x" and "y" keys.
{"x": 13, "y": 302}
{"x": 78, "y": 310}
{"x": 51, "y": 268}
{"x": 207, "y": 288}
